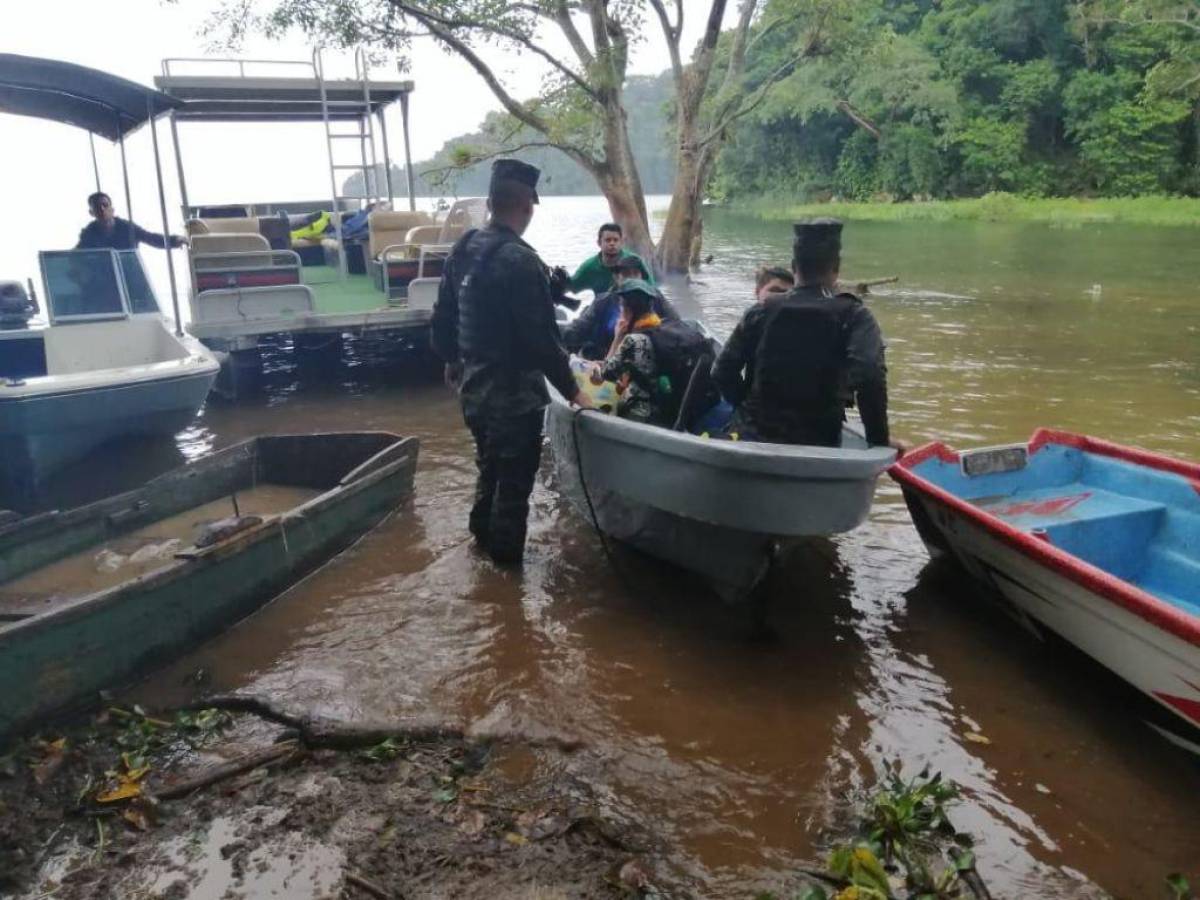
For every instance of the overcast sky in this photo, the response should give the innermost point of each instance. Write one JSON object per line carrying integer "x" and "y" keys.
{"x": 47, "y": 168}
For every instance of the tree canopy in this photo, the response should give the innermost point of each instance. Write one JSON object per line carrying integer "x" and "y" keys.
{"x": 961, "y": 97}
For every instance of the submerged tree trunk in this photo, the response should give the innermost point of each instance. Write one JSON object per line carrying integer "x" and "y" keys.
{"x": 683, "y": 217}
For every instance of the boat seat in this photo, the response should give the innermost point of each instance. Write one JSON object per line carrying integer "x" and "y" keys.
{"x": 240, "y": 260}
{"x": 387, "y": 227}
{"x": 1109, "y": 530}
{"x": 240, "y": 225}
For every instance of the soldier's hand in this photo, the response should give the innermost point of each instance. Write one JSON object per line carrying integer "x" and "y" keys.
{"x": 453, "y": 374}
{"x": 898, "y": 445}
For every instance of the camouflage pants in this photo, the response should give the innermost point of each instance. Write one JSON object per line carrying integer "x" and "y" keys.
{"x": 508, "y": 450}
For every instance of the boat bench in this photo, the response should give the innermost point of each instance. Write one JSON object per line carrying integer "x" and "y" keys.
{"x": 1111, "y": 531}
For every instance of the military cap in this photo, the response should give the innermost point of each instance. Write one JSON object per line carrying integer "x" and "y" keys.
{"x": 818, "y": 234}
{"x": 634, "y": 285}
{"x": 515, "y": 170}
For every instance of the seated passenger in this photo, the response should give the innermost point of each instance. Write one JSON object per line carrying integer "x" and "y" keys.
{"x": 771, "y": 282}
{"x": 631, "y": 361}
{"x": 595, "y": 273}
{"x": 108, "y": 232}
{"x": 791, "y": 364}
{"x": 591, "y": 333}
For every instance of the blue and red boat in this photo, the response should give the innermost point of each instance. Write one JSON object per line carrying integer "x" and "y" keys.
{"x": 1098, "y": 542}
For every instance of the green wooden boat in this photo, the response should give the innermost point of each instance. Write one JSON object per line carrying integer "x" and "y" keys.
{"x": 93, "y": 597}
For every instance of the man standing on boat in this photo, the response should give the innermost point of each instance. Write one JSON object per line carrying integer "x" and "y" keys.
{"x": 494, "y": 327}
{"x": 791, "y": 364}
{"x": 596, "y": 272}
{"x": 108, "y": 232}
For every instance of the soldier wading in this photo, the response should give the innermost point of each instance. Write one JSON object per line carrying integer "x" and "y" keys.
{"x": 494, "y": 327}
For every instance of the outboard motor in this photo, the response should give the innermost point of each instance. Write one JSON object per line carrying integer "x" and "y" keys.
{"x": 16, "y": 306}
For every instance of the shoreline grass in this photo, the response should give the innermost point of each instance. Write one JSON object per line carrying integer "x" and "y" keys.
{"x": 996, "y": 207}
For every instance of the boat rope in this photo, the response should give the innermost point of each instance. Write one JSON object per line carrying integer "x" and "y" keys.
{"x": 587, "y": 496}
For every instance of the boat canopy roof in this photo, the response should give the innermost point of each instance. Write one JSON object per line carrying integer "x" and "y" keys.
{"x": 96, "y": 101}
{"x": 242, "y": 97}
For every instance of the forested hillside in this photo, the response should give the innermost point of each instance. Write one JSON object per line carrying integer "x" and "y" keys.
{"x": 647, "y": 101}
{"x": 962, "y": 97}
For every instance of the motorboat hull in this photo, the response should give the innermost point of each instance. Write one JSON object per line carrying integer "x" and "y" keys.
{"x": 66, "y": 654}
{"x": 716, "y": 508}
{"x": 1114, "y": 610}
{"x": 49, "y": 423}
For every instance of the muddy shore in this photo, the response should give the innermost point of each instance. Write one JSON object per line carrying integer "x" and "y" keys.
{"x": 86, "y": 813}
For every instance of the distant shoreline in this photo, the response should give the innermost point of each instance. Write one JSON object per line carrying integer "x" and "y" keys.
{"x": 998, "y": 207}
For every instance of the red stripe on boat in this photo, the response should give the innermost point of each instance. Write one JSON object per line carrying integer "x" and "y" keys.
{"x": 1189, "y": 708}
{"x": 1046, "y": 436}
{"x": 1141, "y": 603}
{"x": 935, "y": 450}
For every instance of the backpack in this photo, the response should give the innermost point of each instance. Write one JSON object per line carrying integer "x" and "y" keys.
{"x": 683, "y": 355}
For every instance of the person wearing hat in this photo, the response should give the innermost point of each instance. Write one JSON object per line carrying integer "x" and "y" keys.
{"x": 493, "y": 325}
{"x": 791, "y": 364}
{"x": 596, "y": 272}
{"x": 631, "y": 361}
{"x": 590, "y": 334}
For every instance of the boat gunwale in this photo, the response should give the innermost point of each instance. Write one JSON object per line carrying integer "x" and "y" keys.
{"x": 177, "y": 566}
{"x": 1158, "y": 612}
{"x": 754, "y": 457}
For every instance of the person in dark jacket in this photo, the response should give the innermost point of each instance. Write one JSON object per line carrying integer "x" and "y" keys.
{"x": 591, "y": 333}
{"x": 108, "y": 232}
{"x": 792, "y": 362}
{"x": 493, "y": 325}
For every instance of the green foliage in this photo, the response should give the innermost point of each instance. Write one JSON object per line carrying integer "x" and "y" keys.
{"x": 995, "y": 207}
{"x": 961, "y": 99}
{"x": 1179, "y": 887}
{"x": 904, "y": 828}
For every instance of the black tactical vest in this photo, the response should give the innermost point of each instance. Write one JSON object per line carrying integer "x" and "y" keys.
{"x": 800, "y": 363}
{"x": 484, "y": 325}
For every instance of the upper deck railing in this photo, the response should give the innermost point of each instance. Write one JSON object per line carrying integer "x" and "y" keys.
{"x": 239, "y": 63}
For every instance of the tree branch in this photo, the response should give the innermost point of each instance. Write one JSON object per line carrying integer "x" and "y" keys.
{"x": 562, "y": 16}
{"x": 858, "y": 118}
{"x": 672, "y": 35}
{"x": 493, "y": 154}
{"x": 515, "y": 108}
{"x": 747, "y": 104}
{"x": 502, "y": 31}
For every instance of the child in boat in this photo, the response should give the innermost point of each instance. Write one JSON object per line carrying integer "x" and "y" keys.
{"x": 630, "y": 361}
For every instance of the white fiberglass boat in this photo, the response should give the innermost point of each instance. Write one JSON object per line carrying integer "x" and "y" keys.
{"x": 105, "y": 363}
{"x": 106, "y": 366}
{"x": 717, "y": 508}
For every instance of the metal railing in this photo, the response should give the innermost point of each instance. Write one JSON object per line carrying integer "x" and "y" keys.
{"x": 240, "y": 63}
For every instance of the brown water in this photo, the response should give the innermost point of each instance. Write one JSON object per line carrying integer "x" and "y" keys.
{"x": 742, "y": 755}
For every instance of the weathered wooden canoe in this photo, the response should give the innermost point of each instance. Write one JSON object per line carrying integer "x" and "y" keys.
{"x": 92, "y": 597}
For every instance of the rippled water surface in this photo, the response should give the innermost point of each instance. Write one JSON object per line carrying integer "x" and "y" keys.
{"x": 742, "y": 754}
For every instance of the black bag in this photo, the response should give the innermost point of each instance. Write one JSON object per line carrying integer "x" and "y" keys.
{"x": 684, "y": 356}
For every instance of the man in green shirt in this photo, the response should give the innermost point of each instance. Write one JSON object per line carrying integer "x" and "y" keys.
{"x": 596, "y": 273}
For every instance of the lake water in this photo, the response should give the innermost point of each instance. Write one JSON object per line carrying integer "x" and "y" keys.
{"x": 744, "y": 757}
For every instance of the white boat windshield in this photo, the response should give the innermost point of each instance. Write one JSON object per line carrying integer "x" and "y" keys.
{"x": 90, "y": 285}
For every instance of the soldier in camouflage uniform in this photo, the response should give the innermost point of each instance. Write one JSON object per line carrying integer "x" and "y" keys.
{"x": 792, "y": 364}
{"x": 493, "y": 325}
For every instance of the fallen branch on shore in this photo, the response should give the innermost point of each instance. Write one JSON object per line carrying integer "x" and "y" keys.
{"x": 320, "y": 733}
{"x": 223, "y": 771}
{"x": 368, "y": 887}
